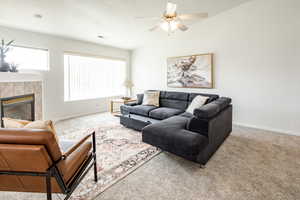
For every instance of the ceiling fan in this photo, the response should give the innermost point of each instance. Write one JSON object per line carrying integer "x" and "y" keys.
{"x": 171, "y": 21}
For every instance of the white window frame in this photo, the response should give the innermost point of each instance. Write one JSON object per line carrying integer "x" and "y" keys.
{"x": 35, "y": 48}
{"x": 67, "y": 90}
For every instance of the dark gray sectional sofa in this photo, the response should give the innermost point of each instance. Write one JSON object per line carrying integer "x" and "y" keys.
{"x": 193, "y": 136}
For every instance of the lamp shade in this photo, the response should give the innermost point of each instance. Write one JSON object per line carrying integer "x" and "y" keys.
{"x": 128, "y": 84}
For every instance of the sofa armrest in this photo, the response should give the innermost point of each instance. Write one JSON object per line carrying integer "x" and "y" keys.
{"x": 198, "y": 125}
{"x": 140, "y": 98}
{"x": 131, "y": 104}
{"x": 125, "y": 109}
{"x": 212, "y": 109}
{"x": 75, "y": 159}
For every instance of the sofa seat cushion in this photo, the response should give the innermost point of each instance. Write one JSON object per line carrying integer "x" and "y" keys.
{"x": 164, "y": 112}
{"x": 141, "y": 109}
{"x": 170, "y": 135}
{"x": 187, "y": 114}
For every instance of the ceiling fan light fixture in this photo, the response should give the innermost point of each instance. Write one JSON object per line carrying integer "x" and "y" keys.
{"x": 171, "y": 21}
{"x": 169, "y": 26}
{"x": 173, "y": 25}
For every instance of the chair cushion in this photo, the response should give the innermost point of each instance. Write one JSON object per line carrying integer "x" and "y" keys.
{"x": 14, "y": 123}
{"x": 38, "y": 124}
{"x": 163, "y": 113}
{"x": 32, "y": 137}
{"x": 65, "y": 145}
{"x": 141, "y": 109}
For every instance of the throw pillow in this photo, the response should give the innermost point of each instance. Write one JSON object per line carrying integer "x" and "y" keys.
{"x": 45, "y": 125}
{"x": 151, "y": 98}
{"x": 17, "y": 123}
{"x": 197, "y": 102}
{"x": 14, "y": 123}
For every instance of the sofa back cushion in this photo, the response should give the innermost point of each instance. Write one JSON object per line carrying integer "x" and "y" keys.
{"x": 178, "y": 100}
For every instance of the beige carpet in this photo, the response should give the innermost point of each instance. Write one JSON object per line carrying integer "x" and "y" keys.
{"x": 251, "y": 165}
{"x": 120, "y": 151}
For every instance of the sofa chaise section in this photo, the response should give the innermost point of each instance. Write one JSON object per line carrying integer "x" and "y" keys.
{"x": 195, "y": 137}
{"x": 171, "y": 135}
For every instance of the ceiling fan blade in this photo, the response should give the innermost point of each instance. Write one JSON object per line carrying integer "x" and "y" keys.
{"x": 193, "y": 16}
{"x": 154, "y": 28}
{"x": 147, "y": 18}
{"x": 182, "y": 27}
{"x": 171, "y": 9}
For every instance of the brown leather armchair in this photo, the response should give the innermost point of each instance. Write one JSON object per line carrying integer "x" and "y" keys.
{"x": 33, "y": 161}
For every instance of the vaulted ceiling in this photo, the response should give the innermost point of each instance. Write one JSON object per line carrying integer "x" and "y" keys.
{"x": 86, "y": 19}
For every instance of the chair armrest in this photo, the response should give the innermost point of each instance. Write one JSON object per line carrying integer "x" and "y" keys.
{"x": 212, "y": 109}
{"x": 78, "y": 144}
{"x": 71, "y": 161}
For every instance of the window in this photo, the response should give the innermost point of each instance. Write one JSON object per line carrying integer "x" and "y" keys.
{"x": 92, "y": 77}
{"x": 28, "y": 58}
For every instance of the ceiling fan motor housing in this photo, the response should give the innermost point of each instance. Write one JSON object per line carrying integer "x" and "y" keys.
{"x": 170, "y": 17}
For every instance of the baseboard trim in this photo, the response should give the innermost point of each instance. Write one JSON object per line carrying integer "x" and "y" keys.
{"x": 76, "y": 115}
{"x": 264, "y": 128}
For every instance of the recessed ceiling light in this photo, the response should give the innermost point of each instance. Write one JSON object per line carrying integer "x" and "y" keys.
{"x": 100, "y": 36}
{"x": 39, "y": 16}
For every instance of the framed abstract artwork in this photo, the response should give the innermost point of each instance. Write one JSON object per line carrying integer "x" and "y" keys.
{"x": 195, "y": 71}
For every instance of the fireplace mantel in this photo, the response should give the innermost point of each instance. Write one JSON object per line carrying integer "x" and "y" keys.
{"x": 10, "y": 89}
{"x": 20, "y": 77}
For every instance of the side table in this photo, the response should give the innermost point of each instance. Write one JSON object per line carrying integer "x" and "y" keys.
{"x": 118, "y": 101}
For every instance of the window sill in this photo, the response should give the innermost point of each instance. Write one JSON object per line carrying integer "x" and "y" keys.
{"x": 93, "y": 99}
{"x": 19, "y": 77}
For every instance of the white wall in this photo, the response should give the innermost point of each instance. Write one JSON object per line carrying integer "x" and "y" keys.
{"x": 257, "y": 61}
{"x": 54, "y": 105}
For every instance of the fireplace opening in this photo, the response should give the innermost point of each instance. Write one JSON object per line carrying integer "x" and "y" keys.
{"x": 18, "y": 107}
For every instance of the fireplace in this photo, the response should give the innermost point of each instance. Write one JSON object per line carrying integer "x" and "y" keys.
{"x": 18, "y": 107}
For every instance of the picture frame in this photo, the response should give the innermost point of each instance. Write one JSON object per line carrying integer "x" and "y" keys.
{"x": 193, "y": 71}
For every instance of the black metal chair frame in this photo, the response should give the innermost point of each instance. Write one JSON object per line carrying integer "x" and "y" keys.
{"x": 54, "y": 172}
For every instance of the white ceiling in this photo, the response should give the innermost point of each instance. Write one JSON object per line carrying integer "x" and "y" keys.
{"x": 114, "y": 19}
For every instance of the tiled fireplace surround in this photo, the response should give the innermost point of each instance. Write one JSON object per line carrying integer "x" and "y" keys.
{"x": 9, "y": 89}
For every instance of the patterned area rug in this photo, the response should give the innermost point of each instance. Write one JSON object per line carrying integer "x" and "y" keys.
{"x": 119, "y": 152}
